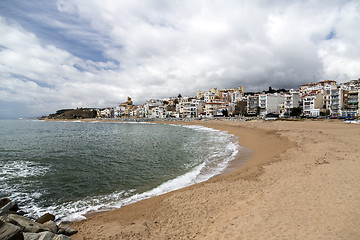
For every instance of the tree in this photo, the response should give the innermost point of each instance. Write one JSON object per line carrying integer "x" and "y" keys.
{"x": 179, "y": 96}
{"x": 257, "y": 111}
{"x": 240, "y": 108}
{"x": 225, "y": 112}
{"x": 295, "y": 112}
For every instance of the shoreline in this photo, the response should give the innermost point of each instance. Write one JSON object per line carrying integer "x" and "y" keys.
{"x": 246, "y": 164}
{"x": 242, "y": 156}
{"x": 302, "y": 182}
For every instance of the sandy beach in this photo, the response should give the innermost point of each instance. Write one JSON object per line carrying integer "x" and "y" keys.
{"x": 302, "y": 181}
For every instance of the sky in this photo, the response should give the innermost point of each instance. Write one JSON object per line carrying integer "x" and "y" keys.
{"x": 90, "y": 53}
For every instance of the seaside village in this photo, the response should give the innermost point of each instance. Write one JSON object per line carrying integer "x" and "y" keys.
{"x": 313, "y": 100}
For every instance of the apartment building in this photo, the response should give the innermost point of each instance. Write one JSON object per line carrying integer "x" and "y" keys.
{"x": 252, "y": 104}
{"x": 336, "y": 102}
{"x": 291, "y": 100}
{"x": 312, "y": 103}
{"x": 188, "y": 109}
{"x": 225, "y": 95}
{"x": 350, "y": 103}
{"x": 211, "y": 108}
{"x": 270, "y": 103}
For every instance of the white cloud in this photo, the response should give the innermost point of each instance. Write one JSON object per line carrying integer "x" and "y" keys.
{"x": 162, "y": 48}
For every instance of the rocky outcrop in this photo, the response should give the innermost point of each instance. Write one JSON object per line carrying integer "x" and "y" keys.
{"x": 14, "y": 226}
{"x": 25, "y": 224}
{"x": 7, "y": 205}
{"x": 51, "y": 225}
{"x": 45, "y": 236}
{"x": 10, "y": 231}
{"x": 66, "y": 229}
{"x": 46, "y": 217}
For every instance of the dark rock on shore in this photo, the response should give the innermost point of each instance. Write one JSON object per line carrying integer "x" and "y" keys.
{"x": 46, "y": 217}
{"x": 52, "y": 226}
{"x": 66, "y": 229}
{"x": 10, "y": 232}
{"x": 14, "y": 226}
{"x": 7, "y": 205}
{"x": 25, "y": 224}
{"x": 45, "y": 236}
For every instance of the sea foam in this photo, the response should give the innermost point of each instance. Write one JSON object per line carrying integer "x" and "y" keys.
{"x": 200, "y": 173}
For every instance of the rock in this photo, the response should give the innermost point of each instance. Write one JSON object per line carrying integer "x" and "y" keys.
{"x": 51, "y": 225}
{"x": 39, "y": 236}
{"x": 10, "y": 232}
{"x": 66, "y": 230}
{"x": 7, "y": 205}
{"x": 61, "y": 237}
{"x": 46, "y": 217}
{"x": 45, "y": 236}
{"x": 25, "y": 224}
{"x": 4, "y": 201}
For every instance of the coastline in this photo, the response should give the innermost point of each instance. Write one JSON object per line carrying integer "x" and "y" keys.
{"x": 301, "y": 182}
{"x": 239, "y": 156}
{"x": 243, "y": 155}
{"x": 247, "y": 138}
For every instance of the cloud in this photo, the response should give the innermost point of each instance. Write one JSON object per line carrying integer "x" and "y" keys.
{"x": 96, "y": 53}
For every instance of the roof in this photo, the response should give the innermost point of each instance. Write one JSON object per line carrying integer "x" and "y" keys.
{"x": 312, "y": 93}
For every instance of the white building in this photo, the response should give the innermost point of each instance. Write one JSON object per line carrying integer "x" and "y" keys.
{"x": 351, "y": 102}
{"x": 188, "y": 109}
{"x": 105, "y": 113}
{"x": 312, "y": 103}
{"x": 336, "y": 102}
{"x": 270, "y": 103}
{"x": 252, "y": 104}
{"x": 211, "y": 108}
{"x": 291, "y": 100}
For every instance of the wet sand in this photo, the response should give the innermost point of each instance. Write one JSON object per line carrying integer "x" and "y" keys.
{"x": 301, "y": 182}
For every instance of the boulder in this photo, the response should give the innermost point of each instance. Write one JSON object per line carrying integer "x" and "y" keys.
{"x": 7, "y": 205}
{"x": 25, "y": 224}
{"x": 10, "y": 232}
{"x": 51, "y": 225}
{"x": 66, "y": 229}
{"x": 4, "y": 201}
{"x": 39, "y": 236}
{"x": 46, "y": 217}
{"x": 45, "y": 236}
{"x": 61, "y": 237}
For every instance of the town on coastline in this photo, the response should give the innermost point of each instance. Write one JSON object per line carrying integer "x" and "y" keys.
{"x": 313, "y": 100}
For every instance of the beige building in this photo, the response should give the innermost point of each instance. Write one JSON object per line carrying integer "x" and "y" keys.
{"x": 127, "y": 107}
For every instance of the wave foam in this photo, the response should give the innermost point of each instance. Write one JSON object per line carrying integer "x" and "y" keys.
{"x": 200, "y": 173}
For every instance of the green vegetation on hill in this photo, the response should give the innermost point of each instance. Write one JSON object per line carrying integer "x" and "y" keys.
{"x": 79, "y": 113}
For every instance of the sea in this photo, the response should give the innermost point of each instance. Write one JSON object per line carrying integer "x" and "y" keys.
{"x": 72, "y": 168}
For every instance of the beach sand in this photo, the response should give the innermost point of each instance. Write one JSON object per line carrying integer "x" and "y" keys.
{"x": 301, "y": 182}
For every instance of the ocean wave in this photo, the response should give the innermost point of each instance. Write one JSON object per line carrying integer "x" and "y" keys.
{"x": 220, "y": 148}
{"x": 212, "y": 166}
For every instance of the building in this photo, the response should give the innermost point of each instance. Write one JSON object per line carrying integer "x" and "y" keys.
{"x": 312, "y": 103}
{"x": 350, "y": 103}
{"x": 104, "y": 113}
{"x": 270, "y": 103}
{"x": 211, "y": 108}
{"x": 224, "y": 95}
{"x": 336, "y": 102}
{"x": 253, "y": 107}
{"x": 291, "y": 101}
{"x": 124, "y": 109}
{"x": 188, "y": 109}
